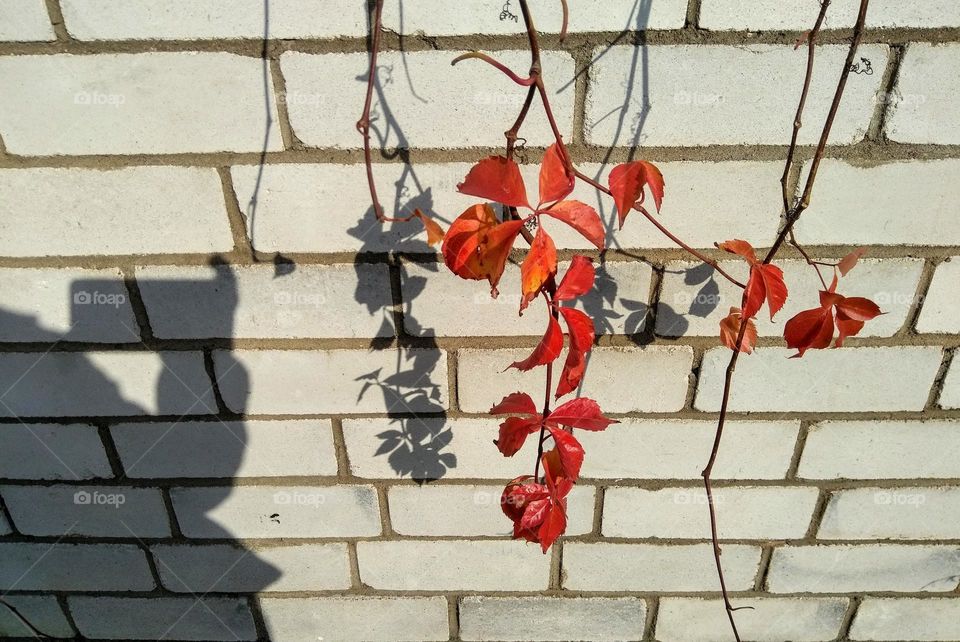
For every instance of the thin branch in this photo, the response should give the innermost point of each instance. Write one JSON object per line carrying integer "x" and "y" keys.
{"x": 792, "y": 214}
{"x": 479, "y": 55}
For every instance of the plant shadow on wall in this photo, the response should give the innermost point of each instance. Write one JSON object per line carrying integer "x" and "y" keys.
{"x": 184, "y": 425}
{"x": 416, "y": 444}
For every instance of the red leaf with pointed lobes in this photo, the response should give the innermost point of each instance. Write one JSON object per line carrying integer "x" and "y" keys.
{"x": 569, "y": 451}
{"x": 740, "y": 248}
{"x": 517, "y": 497}
{"x": 846, "y": 327}
{"x": 556, "y": 180}
{"x": 555, "y": 521}
{"x": 477, "y": 245}
{"x": 730, "y": 330}
{"x": 434, "y": 231}
{"x": 848, "y": 262}
{"x": 775, "y": 290}
{"x": 538, "y": 267}
{"x": 580, "y": 413}
{"x": 809, "y": 329}
{"x": 546, "y": 351}
{"x": 578, "y": 279}
{"x": 754, "y": 294}
{"x": 626, "y": 184}
{"x": 516, "y": 403}
{"x": 574, "y": 368}
{"x": 581, "y": 331}
{"x": 514, "y": 432}
{"x": 497, "y": 179}
{"x": 582, "y": 218}
{"x": 858, "y": 308}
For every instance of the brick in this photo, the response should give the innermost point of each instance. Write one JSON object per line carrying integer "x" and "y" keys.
{"x": 438, "y": 303}
{"x": 431, "y": 448}
{"x": 332, "y": 381}
{"x": 680, "y": 449}
{"x": 42, "y": 611}
{"x": 479, "y": 17}
{"x": 797, "y": 15}
{"x": 193, "y": 618}
{"x": 869, "y": 205}
{"x": 693, "y": 299}
{"x": 95, "y": 511}
{"x": 226, "y": 449}
{"x": 950, "y": 395}
{"x": 744, "y": 104}
{"x": 892, "y": 513}
{"x": 923, "y": 108}
{"x": 227, "y": 568}
{"x": 356, "y": 619}
{"x": 453, "y": 565}
{"x": 618, "y": 379}
{"x": 472, "y": 510}
{"x": 58, "y": 384}
{"x": 131, "y": 103}
{"x": 941, "y": 312}
{"x": 897, "y": 450}
{"x": 847, "y": 380}
{"x": 41, "y": 210}
{"x": 144, "y": 20}
{"x": 5, "y": 528}
{"x": 48, "y": 451}
{"x": 73, "y": 567}
{"x": 316, "y": 88}
{"x": 880, "y": 618}
{"x": 277, "y": 511}
{"x": 649, "y": 567}
{"x": 54, "y": 304}
{"x": 280, "y": 205}
{"x": 802, "y": 619}
{"x": 767, "y": 512}
{"x": 350, "y": 301}
{"x": 25, "y": 21}
{"x": 866, "y": 567}
{"x": 551, "y": 618}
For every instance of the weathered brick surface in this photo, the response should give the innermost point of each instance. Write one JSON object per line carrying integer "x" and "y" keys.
{"x": 923, "y": 108}
{"x": 73, "y": 567}
{"x": 941, "y": 311}
{"x": 906, "y": 619}
{"x": 193, "y": 618}
{"x": 796, "y": 15}
{"x": 48, "y": 451}
{"x": 891, "y": 513}
{"x": 25, "y": 20}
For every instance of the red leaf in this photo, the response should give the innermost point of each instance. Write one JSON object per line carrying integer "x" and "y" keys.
{"x": 574, "y": 368}
{"x": 753, "y": 294}
{"x": 848, "y": 262}
{"x": 858, "y": 308}
{"x": 534, "y": 514}
{"x": 434, "y": 231}
{"x": 477, "y": 245}
{"x": 556, "y": 181}
{"x": 513, "y": 432}
{"x": 580, "y": 413}
{"x": 546, "y": 351}
{"x": 847, "y": 327}
{"x": 740, "y": 248}
{"x": 774, "y": 287}
{"x": 518, "y": 494}
{"x": 554, "y": 525}
{"x": 580, "y": 327}
{"x": 580, "y": 217}
{"x": 578, "y": 279}
{"x": 538, "y": 267}
{"x": 569, "y": 451}
{"x": 809, "y": 329}
{"x": 516, "y": 403}
{"x": 496, "y": 179}
{"x": 730, "y": 330}
{"x": 627, "y": 181}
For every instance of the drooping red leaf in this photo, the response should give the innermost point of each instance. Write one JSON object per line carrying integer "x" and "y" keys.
{"x": 582, "y": 218}
{"x": 497, "y": 179}
{"x": 578, "y": 279}
{"x": 580, "y": 329}
{"x": 434, "y": 231}
{"x": 477, "y": 245}
{"x": 730, "y": 330}
{"x": 538, "y": 267}
{"x": 570, "y": 452}
{"x": 555, "y": 521}
{"x": 858, "y": 308}
{"x": 516, "y": 403}
{"x": 546, "y": 351}
{"x": 754, "y": 294}
{"x": 775, "y": 289}
{"x": 809, "y": 329}
{"x": 626, "y": 184}
{"x": 848, "y": 262}
{"x": 535, "y": 513}
{"x": 556, "y": 180}
{"x": 513, "y": 433}
{"x": 516, "y": 497}
{"x": 580, "y": 413}
{"x": 740, "y": 248}
{"x": 574, "y": 368}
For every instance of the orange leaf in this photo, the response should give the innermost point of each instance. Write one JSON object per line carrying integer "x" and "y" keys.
{"x": 538, "y": 267}
{"x": 497, "y": 179}
{"x": 546, "y": 351}
{"x": 730, "y": 330}
{"x": 848, "y": 262}
{"x": 477, "y": 245}
{"x": 580, "y": 217}
{"x": 434, "y": 231}
{"x": 753, "y": 294}
{"x": 775, "y": 289}
{"x": 626, "y": 184}
{"x": 578, "y": 279}
{"x": 556, "y": 181}
{"x": 740, "y": 248}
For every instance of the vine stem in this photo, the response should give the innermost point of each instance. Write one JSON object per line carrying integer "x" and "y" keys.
{"x": 792, "y": 214}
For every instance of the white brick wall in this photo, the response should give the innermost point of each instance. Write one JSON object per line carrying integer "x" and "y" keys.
{"x": 47, "y": 451}
{"x": 73, "y": 567}
{"x": 940, "y": 309}
{"x": 25, "y": 20}
{"x": 797, "y": 15}
{"x": 885, "y": 513}
{"x": 203, "y": 618}
{"x": 924, "y": 109}
{"x": 888, "y": 619}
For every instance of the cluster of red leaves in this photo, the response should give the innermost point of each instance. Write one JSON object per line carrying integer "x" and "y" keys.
{"x": 477, "y": 246}
{"x": 809, "y": 329}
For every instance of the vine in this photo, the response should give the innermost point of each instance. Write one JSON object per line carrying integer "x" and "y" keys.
{"x": 478, "y": 244}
